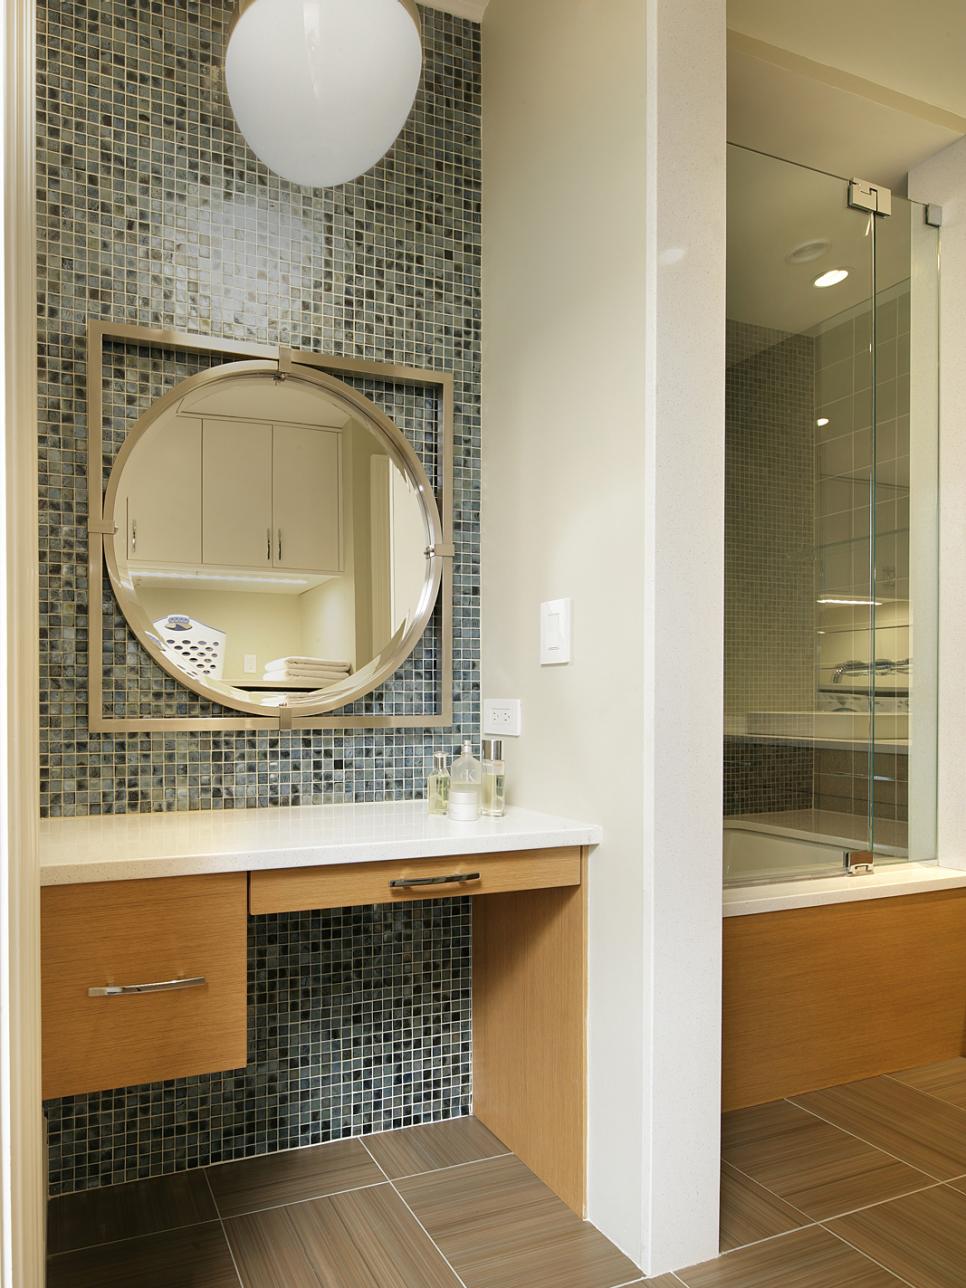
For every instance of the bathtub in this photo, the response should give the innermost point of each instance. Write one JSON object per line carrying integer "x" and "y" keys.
{"x": 799, "y": 845}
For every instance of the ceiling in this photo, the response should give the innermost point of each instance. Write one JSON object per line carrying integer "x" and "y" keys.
{"x": 774, "y": 207}
{"x": 866, "y": 88}
{"x": 911, "y": 47}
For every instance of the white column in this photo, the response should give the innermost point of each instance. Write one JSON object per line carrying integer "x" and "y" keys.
{"x": 603, "y": 447}
{"x": 684, "y": 613}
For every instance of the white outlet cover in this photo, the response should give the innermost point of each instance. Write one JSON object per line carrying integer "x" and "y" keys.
{"x": 502, "y": 717}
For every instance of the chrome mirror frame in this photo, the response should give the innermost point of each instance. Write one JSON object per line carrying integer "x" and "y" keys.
{"x": 316, "y": 370}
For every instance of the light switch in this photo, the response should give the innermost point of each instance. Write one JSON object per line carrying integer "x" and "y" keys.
{"x": 555, "y": 632}
{"x": 250, "y": 667}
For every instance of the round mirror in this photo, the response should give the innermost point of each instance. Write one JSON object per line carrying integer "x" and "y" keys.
{"x": 273, "y": 537}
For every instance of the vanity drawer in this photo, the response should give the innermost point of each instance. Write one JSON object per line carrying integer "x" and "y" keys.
{"x": 349, "y": 884}
{"x": 123, "y": 933}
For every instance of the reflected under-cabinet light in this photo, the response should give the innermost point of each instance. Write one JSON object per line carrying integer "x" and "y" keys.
{"x": 852, "y": 603}
{"x": 150, "y": 574}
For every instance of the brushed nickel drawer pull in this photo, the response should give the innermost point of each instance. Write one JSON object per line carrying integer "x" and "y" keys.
{"x": 162, "y": 986}
{"x": 457, "y": 878}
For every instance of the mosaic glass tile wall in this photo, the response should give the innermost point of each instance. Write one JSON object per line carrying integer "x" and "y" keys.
{"x": 769, "y": 559}
{"x": 328, "y": 1055}
{"x": 151, "y": 210}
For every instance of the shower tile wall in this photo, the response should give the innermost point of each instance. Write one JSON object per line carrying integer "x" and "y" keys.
{"x": 152, "y": 210}
{"x": 843, "y": 463}
{"x": 769, "y": 561}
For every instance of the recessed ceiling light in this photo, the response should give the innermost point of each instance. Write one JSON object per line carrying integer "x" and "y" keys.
{"x": 822, "y": 422}
{"x": 808, "y": 251}
{"x": 832, "y": 277}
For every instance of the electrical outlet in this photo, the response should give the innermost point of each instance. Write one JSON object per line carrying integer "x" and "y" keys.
{"x": 250, "y": 666}
{"x": 502, "y": 717}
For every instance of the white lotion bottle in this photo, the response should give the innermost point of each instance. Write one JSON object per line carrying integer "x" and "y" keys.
{"x": 465, "y": 780}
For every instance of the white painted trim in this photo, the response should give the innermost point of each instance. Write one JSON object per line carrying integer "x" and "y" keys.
{"x": 472, "y": 9}
{"x": 942, "y": 179}
{"x": 684, "y": 380}
{"x": 22, "y": 1170}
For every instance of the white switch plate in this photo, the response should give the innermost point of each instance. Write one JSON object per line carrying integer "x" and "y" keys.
{"x": 502, "y": 717}
{"x": 555, "y": 632}
{"x": 250, "y": 667}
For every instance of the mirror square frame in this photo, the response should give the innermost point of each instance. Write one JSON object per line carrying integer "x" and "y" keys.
{"x": 100, "y": 527}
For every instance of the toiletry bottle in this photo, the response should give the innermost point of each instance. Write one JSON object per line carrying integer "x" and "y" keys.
{"x": 493, "y": 798}
{"x": 464, "y": 786}
{"x": 437, "y": 785}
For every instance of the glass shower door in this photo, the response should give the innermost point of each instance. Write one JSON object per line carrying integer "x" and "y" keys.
{"x": 817, "y": 664}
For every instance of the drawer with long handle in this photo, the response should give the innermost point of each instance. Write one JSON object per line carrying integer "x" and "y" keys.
{"x": 142, "y": 981}
{"x": 403, "y": 880}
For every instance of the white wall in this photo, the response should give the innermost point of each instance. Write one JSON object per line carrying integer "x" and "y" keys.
{"x": 604, "y": 486}
{"x": 942, "y": 179}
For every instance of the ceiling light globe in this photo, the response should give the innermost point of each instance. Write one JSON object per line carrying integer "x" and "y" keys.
{"x": 321, "y": 88}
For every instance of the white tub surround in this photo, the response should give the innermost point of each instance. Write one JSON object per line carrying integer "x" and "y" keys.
{"x": 126, "y": 847}
{"x": 884, "y": 883}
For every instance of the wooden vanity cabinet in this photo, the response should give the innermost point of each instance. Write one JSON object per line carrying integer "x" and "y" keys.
{"x": 117, "y": 934}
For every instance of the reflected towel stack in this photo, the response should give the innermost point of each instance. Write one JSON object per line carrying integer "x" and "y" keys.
{"x": 306, "y": 670}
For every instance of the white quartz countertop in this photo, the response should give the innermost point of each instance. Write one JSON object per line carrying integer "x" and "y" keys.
{"x": 124, "y": 847}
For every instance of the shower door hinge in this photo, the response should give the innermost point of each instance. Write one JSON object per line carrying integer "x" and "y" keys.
{"x": 859, "y": 862}
{"x": 864, "y": 195}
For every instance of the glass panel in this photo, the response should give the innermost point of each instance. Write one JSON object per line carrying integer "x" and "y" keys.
{"x": 799, "y": 603}
{"x": 903, "y": 816}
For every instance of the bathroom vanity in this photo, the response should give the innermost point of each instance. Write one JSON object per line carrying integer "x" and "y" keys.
{"x": 144, "y": 923}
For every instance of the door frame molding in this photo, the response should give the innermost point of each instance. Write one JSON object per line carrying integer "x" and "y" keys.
{"x": 22, "y": 1171}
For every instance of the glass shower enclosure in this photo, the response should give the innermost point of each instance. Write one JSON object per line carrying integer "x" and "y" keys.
{"x": 831, "y": 540}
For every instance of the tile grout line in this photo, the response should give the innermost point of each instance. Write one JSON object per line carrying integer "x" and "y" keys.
{"x": 836, "y": 1216}
{"x": 768, "y": 1189}
{"x": 855, "y": 1136}
{"x": 224, "y": 1232}
{"x": 402, "y": 1200}
{"x": 931, "y": 1095}
{"x": 311, "y": 1198}
{"x": 450, "y": 1167}
{"x": 129, "y": 1238}
{"x": 841, "y": 1238}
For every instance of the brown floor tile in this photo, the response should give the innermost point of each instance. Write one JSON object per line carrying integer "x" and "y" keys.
{"x": 362, "y": 1239}
{"x": 923, "y": 1131}
{"x": 947, "y": 1080}
{"x": 291, "y": 1177}
{"x": 123, "y": 1211}
{"x": 749, "y": 1212}
{"x": 195, "y": 1257}
{"x": 810, "y": 1258}
{"x": 500, "y": 1228}
{"x": 820, "y": 1170}
{"x": 424, "y": 1149}
{"x": 922, "y": 1237}
{"x": 664, "y": 1281}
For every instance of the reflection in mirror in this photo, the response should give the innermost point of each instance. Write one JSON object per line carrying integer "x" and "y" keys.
{"x": 270, "y": 541}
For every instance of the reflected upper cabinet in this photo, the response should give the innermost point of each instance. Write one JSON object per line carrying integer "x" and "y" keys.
{"x": 272, "y": 538}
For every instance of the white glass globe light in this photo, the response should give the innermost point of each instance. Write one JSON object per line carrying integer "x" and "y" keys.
{"x": 321, "y": 88}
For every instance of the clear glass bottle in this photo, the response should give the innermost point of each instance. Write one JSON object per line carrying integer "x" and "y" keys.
{"x": 437, "y": 785}
{"x": 493, "y": 797}
{"x": 465, "y": 778}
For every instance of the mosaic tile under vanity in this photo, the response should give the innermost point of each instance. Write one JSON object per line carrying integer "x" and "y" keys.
{"x": 151, "y": 210}
{"x": 359, "y": 1021}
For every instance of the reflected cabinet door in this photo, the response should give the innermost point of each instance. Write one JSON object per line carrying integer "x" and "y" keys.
{"x": 306, "y": 491}
{"x": 237, "y": 493}
{"x": 162, "y": 501}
